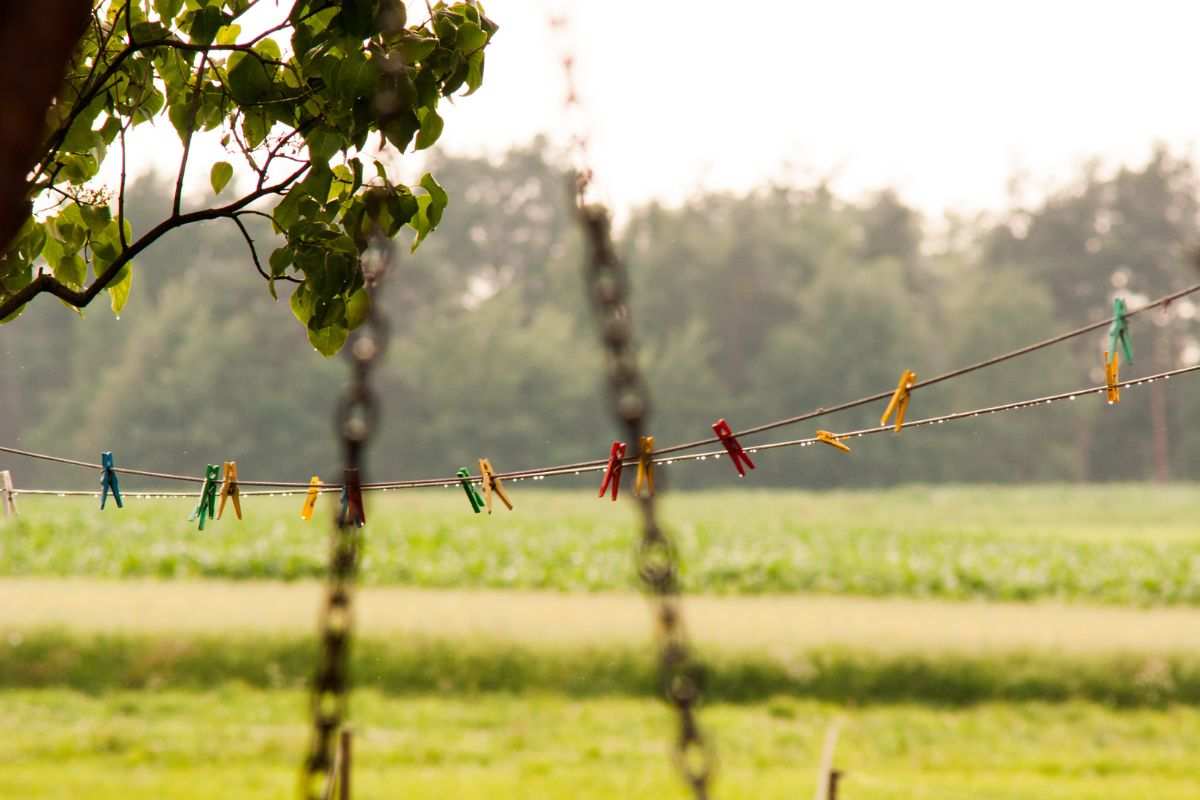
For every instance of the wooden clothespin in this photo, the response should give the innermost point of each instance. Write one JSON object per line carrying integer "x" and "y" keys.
{"x": 469, "y": 488}
{"x": 1112, "y": 376}
{"x": 353, "y": 513}
{"x": 612, "y": 472}
{"x": 736, "y": 453}
{"x": 8, "y": 498}
{"x": 230, "y": 490}
{"x": 645, "y": 468}
{"x": 108, "y": 481}
{"x": 899, "y": 401}
{"x": 833, "y": 440}
{"x": 310, "y": 499}
{"x": 1118, "y": 332}
{"x": 208, "y": 495}
{"x": 492, "y": 484}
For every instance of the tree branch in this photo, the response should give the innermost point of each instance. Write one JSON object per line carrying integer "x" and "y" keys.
{"x": 45, "y": 283}
{"x": 187, "y": 143}
{"x": 236, "y": 217}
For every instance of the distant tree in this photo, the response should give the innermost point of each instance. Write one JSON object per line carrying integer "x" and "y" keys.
{"x": 295, "y": 104}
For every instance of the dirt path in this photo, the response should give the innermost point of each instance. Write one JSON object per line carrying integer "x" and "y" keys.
{"x": 777, "y": 623}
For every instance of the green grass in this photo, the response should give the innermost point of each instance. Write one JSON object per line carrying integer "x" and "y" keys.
{"x": 413, "y": 666}
{"x": 237, "y": 743}
{"x": 1130, "y": 544}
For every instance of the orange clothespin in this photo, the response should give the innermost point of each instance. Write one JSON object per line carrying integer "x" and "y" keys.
{"x": 899, "y": 401}
{"x": 1112, "y": 376}
{"x": 645, "y": 472}
{"x": 736, "y": 453}
{"x": 612, "y": 472}
{"x": 310, "y": 499}
{"x": 230, "y": 490}
{"x": 352, "y": 501}
{"x": 491, "y": 484}
{"x": 833, "y": 440}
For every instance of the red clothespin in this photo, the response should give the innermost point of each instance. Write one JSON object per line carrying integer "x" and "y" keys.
{"x": 736, "y": 454}
{"x": 612, "y": 472}
{"x": 352, "y": 501}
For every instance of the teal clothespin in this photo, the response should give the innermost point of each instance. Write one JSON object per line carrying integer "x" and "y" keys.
{"x": 469, "y": 488}
{"x": 208, "y": 495}
{"x": 1119, "y": 331}
{"x": 108, "y": 480}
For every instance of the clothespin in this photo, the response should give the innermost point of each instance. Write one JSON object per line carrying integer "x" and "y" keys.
{"x": 230, "y": 490}
{"x": 645, "y": 467}
{"x": 353, "y": 512}
{"x": 310, "y": 499}
{"x": 108, "y": 480}
{"x": 612, "y": 472}
{"x": 1118, "y": 332}
{"x": 833, "y": 440}
{"x": 491, "y": 484}
{"x": 899, "y": 401}
{"x": 736, "y": 454}
{"x": 469, "y": 488}
{"x": 208, "y": 495}
{"x": 1112, "y": 371}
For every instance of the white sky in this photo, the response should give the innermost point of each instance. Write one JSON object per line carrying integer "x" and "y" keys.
{"x": 943, "y": 100}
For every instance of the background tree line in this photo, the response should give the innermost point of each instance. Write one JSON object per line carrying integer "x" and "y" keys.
{"x": 748, "y": 306}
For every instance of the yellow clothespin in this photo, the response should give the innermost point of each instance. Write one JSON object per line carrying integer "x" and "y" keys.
{"x": 832, "y": 440}
{"x": 645, "y": 472}
{"x": 899, "y": 401}
{"x": 1112, "y": 370}
{"x": 310, "y": 499}
{"x": 230, "y": 490}
{"x": 491, "y": 484}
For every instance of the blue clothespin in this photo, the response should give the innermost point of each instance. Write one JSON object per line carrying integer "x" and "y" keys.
{"x": 108, "y": 480}
{"x": 1118, "y": 332}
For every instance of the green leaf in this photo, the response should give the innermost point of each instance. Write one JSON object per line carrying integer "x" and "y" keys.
{"x": 357, "y": 307}
{"x": 330, "y": 339}
{"x": 301, "y": 304}
{"x": 474, "y": 72}
{"x": 118, "y": 290}
{"x": 222, "y": 171}
{"x": 431, "y": 128}
{"x": 250, "y": 79}
{"x": 471, "y": 37}
{"x": 438, "y": 198}
{"x": 280, "y": 260}
{"x": 71, "y": 270}
{"x": 228, "y": 34}
{"x": 167, "y": 9}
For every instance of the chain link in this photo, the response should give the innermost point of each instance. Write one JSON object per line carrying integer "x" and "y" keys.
{"x": 680, "y": 674}
{"x": 356, "y": 419}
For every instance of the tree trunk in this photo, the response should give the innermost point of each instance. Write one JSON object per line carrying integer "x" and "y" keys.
{"x": 36, "y": 42}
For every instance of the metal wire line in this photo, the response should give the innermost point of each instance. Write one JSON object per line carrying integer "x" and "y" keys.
{"x": 667, "y": 460}
{"x": 596, "y": 464}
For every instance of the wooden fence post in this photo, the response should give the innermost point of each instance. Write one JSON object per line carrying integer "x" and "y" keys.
{"x": 9, "y": 500}
{"x": 827, "y": 776}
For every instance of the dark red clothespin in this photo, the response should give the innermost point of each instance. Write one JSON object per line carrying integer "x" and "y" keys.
{"x": 736, "y": 454}
{"x": 612, "y": 473}
{"x": 352, "y": 502}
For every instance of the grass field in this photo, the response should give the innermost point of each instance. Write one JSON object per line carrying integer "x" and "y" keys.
{"x": 238, "y": 743}
{"x": 1111, "y": 544}
{"x": 978, "y": 642}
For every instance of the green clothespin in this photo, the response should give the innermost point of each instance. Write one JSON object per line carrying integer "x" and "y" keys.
{"x": 1119, "y": 331}
{"x": 469, "y": 488}
{"x": 208, "y": 495}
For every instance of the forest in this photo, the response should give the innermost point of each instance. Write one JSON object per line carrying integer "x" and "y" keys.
{"x": 751, "y": 306}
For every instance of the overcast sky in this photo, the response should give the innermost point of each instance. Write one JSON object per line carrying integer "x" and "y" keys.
{"x": 943, "y": 100}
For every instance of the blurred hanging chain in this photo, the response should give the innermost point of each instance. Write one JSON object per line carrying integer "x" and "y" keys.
{"x": 657, "y": 562}
{"x": 356, "y": 420}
